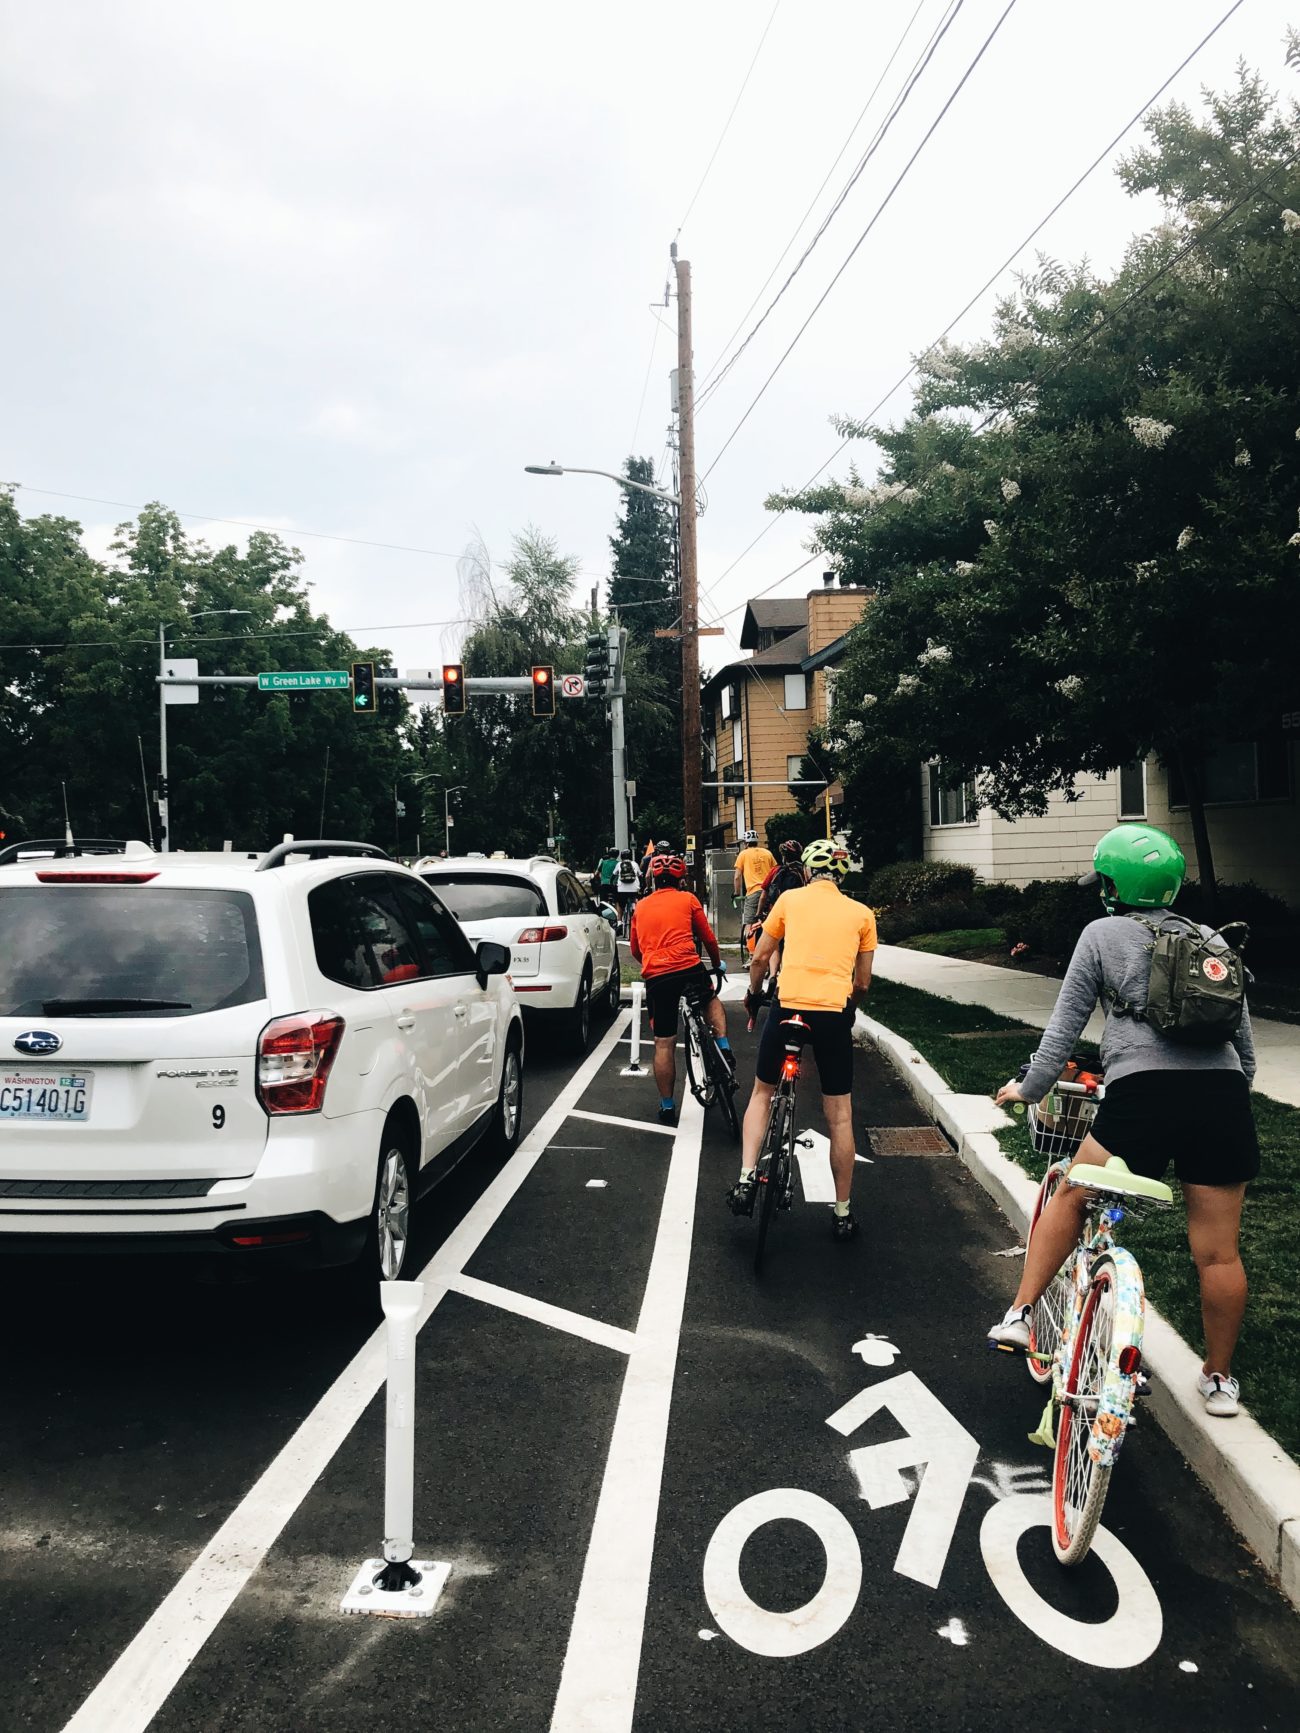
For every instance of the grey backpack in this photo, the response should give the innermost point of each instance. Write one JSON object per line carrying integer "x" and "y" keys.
{"x": 1197, "y": 991}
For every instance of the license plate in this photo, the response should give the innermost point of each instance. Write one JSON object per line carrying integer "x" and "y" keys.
{"x": 45, "y": 1095}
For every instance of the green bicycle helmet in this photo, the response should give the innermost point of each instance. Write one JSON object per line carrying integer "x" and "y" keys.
{"x": 824, "y": 856}
{"x": 1137, "y": 866}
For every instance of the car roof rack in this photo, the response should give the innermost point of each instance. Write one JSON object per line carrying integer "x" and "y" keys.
{"x": 319, "y": 849}
{"x": 60, "y": 847}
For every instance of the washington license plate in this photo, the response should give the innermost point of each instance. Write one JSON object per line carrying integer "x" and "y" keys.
{"x": 47, "y": 1095}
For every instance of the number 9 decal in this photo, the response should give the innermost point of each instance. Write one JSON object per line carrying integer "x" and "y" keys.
{"x": 218, "y": 1117}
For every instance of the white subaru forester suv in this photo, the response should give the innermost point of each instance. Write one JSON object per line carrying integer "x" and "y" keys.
{"x": 262, "y": 1059}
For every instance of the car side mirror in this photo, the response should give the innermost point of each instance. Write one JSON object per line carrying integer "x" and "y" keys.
{"x": 610, "y": 914}
{"x": 490, "y": 959}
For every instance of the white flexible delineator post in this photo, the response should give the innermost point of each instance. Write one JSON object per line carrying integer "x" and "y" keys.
{"x": 634, "y": 1067}
{"x": 398, "y": 1584}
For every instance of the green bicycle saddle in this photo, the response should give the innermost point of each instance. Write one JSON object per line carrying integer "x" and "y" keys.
{"x": 1117, "y": 1177}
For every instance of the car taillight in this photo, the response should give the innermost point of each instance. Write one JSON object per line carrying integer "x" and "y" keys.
{"x": 294, "y": 1059}
{"x": 541, "y": 935}
{"x": 75, "y": 878}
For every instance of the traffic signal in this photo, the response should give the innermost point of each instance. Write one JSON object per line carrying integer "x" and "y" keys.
{"x": 543, "y": 691}
{"x": 363, "y": 688}
{"x": 597, "y": 669}
{"x": 389, "y": 698}
{"x": 453, "y": 689}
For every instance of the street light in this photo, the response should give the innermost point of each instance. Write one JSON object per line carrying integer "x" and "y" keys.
{"x": 164, "y": 793}
{"x": 618, "y": 480}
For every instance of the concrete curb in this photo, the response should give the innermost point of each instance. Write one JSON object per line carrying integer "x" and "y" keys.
{"x": 1250, "y": 1475}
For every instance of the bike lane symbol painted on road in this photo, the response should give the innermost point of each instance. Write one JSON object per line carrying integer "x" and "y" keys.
{"x": 791, "y": 1633}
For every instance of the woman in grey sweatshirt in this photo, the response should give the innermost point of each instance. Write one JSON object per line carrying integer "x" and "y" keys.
{"x": 1164, "y": 1102}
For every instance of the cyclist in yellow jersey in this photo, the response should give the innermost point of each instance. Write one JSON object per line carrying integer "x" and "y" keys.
{"x": 753, "y": 864}
{"x": 829, "y": 944}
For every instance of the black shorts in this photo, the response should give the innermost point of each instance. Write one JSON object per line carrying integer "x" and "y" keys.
{"x": 1198, "y": 1120}
{"x": 831, "y": 1042}
{"x": 664, "y": 992}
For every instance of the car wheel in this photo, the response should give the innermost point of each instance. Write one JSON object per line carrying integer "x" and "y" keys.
{"x": 508, "y": 1117}
{"x": 390, "y": 1216}
{"x": 580, "y": 1017}
{"x": 614, "y": 987}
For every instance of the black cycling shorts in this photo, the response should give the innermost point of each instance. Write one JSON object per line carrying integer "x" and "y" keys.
{"x": 1199, "y": 1120}
{"x": 831, "y": 1043}
{"x": 664, "y": 992}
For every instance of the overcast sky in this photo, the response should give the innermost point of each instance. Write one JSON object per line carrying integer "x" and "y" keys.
{"x": 347, "y": 268}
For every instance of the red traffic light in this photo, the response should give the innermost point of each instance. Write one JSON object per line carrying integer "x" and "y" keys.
{"x": 544, "y": 691}
{"x": 453, "y": 689}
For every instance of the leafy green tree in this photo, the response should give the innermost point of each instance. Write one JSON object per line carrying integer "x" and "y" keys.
{"x": 1084, "y": 538}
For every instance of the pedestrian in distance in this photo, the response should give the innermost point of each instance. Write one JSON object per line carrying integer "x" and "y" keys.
{"x": 830, "y": 943}
{"x": 753, "y": 864}
{"x": 1171, "y": 1095}
{"x": 668, "y": 927}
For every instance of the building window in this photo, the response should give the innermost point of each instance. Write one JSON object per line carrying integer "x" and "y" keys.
{"x": 1133, "y": 789}
{"x": 794, "y": 767}
{"x": 711, "y": 755}
{"x": 796, "y": 692}
{"x": 1240, "y": 771}
{"x": 830, "y": 675}
{"x": 737, "y": 742}
{"x": 740, "y": 817}
{"x": 950, "y": 802}
{"x": 725, "y": 703}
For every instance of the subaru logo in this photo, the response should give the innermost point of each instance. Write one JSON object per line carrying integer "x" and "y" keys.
{"x": 38, "y": 1041}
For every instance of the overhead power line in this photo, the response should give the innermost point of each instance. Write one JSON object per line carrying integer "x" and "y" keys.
{"x": 862, "y": 115}
{"x": 919, "y": 66}
{"x": 989, "y": 282}
{"x": 726, "y": 125}
{"x": 879, "y": 212}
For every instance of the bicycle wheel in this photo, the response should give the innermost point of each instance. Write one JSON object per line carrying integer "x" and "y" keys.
{"x": 725, "y": 1086}
{"x": 698, "y": 1075}
{"x": 772, "y": 1161}
{"x": 1079, "y": 1484}
{"x": 1052, "y": 1310}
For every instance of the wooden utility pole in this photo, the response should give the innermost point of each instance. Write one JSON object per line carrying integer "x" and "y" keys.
{"x": 692, "y": 813}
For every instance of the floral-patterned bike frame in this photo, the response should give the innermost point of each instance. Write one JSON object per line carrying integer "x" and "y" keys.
{"x": 1086, "y": 1340}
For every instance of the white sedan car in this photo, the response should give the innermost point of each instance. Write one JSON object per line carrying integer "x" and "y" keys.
{"x": 563, "y": 949}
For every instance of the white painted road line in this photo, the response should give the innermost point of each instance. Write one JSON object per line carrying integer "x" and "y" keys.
{"x": 542, "y": 1312}
{"x": 598, "y": 1685}
{"x": 629, "y": 1124}
{"x": 139, "y": 1682}
{"x": 817, "y": 1183}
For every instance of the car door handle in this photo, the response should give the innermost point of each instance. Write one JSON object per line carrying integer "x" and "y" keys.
{"x": 407, "y": 1022}
{"x": 462, "y": 1012}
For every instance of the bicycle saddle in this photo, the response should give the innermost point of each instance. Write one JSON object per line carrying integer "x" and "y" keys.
{"x": 796, "y": 1030}
{"x": 1116, "y": 1177}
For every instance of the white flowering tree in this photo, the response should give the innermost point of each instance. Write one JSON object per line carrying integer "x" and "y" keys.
{"x": 1097, "y": 553}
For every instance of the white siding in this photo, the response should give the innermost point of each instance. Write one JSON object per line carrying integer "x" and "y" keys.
{"x": 970, "y": 844}
{"x": 1257, "y": 840}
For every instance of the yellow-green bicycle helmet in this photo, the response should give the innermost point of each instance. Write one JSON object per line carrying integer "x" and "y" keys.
{"x": 825, "y": 856}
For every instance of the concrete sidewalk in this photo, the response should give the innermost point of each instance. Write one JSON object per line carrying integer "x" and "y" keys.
{"x": 1030, "y": 999}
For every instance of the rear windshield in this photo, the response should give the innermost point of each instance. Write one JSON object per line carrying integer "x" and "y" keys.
{"x": 488, "y": 896}
{"x": 126, "y": 951}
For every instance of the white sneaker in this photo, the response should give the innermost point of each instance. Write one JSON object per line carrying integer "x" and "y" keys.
{"x": 1220, "y": 1393}
{"x": 1013, "y": 1331}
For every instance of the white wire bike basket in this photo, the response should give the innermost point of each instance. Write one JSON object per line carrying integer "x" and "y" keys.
{"x": 1059, "y": 1122}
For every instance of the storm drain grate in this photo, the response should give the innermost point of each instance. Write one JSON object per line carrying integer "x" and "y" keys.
{"x": 908, "y": 1140}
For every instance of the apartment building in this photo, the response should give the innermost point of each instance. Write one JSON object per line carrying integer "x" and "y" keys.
{"x": 1251, "y": 810}
{"x": 757, "y": 712}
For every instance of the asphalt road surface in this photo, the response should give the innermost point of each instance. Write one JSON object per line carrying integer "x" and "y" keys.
{"x": 671, "y": 1495}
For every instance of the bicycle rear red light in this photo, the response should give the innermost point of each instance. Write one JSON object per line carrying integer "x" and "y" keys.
{"x": 790, "y": 1067}
{"x": 1130, "y": 1360}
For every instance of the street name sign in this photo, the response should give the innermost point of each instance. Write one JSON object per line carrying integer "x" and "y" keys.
{"x": 306, "y": 680}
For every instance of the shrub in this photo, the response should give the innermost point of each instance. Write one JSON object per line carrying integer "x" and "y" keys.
{"x": 996, "y": 900}
{"x": 911, "y": 881}
{"x": 1050, "y": 916}
{"x": 1248, "y": 902}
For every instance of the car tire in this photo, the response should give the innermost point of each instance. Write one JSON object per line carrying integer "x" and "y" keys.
{"x": 614, "y": 987}
{"x": 508, "y": 1115}
{"x": 579, "y": 1019}
{"x": 389, "y": 1236}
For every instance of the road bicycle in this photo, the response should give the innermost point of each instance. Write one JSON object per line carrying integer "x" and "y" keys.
{"x": 1085, "y": 1335}
{"x": 707, "y": 1068}
{"x": 774, "y": 1175}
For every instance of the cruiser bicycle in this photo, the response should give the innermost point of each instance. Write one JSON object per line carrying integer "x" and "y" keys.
{"x": 1085, "y": 1336}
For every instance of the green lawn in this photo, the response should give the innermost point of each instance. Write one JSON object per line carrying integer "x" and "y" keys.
{"x": 960, "y": 942}
{"x": 1268, "y": 1360}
